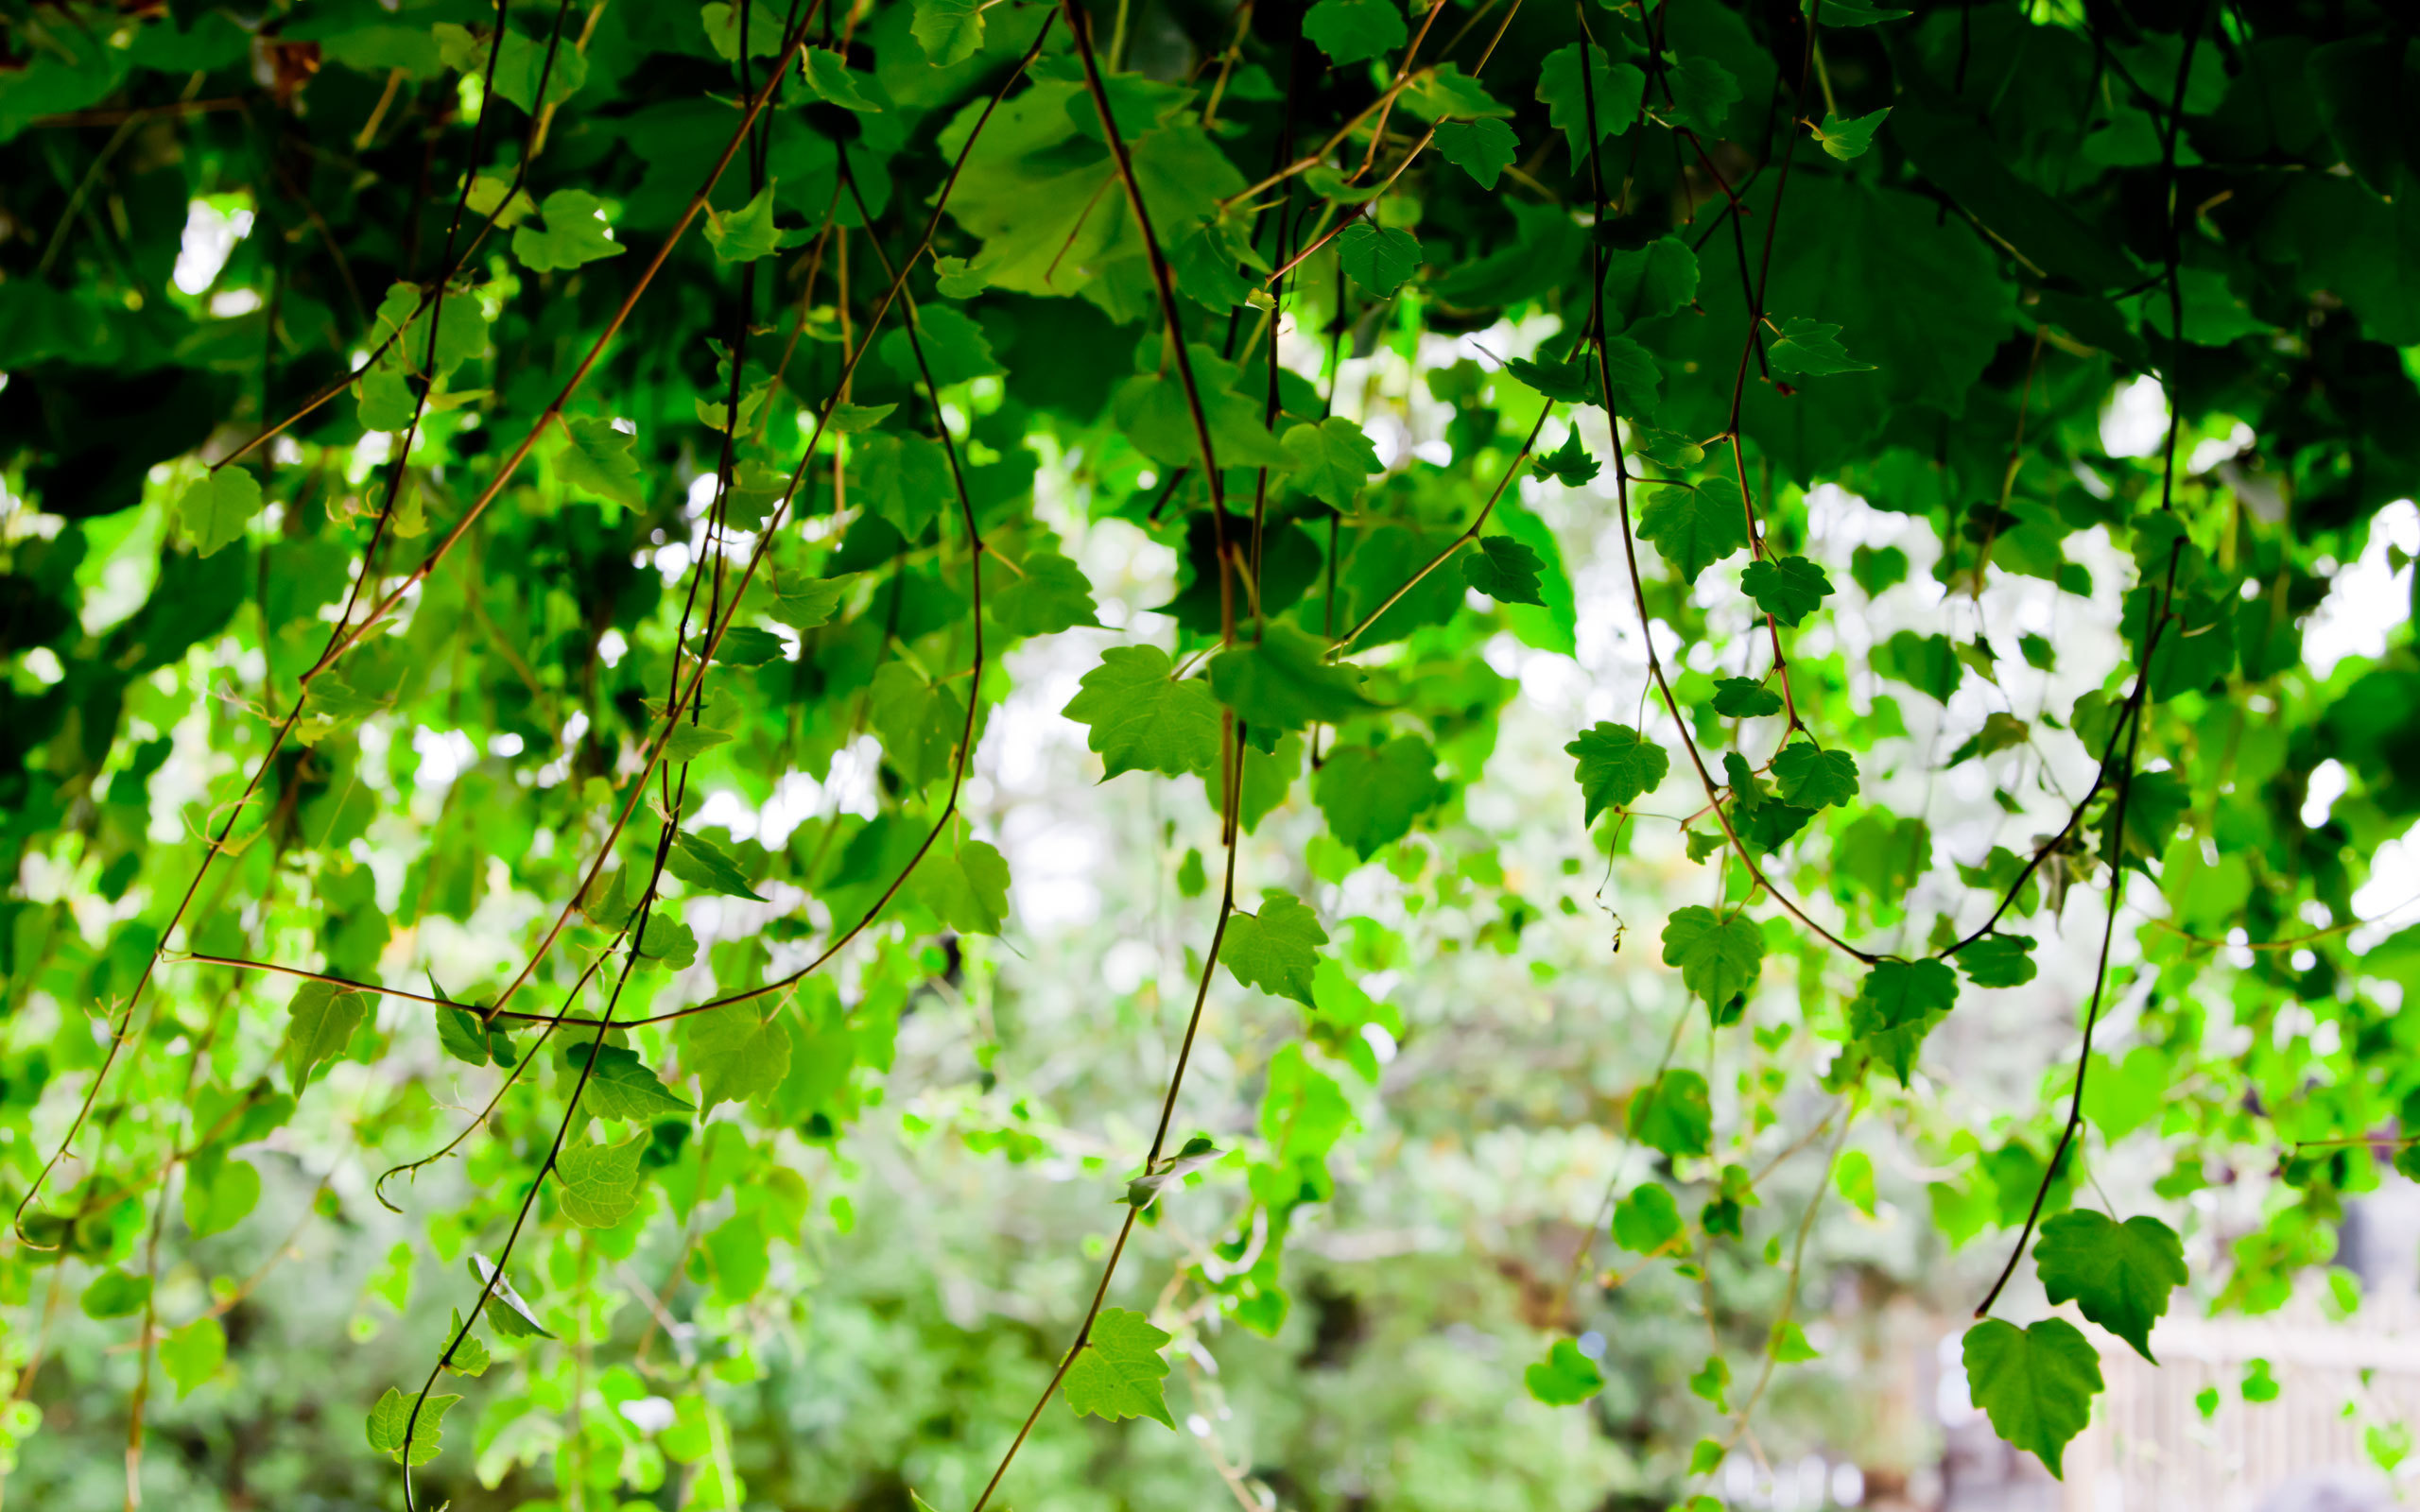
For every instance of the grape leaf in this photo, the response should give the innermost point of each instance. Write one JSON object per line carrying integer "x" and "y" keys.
{"x": 706, "y": 866}
{"x": 2118, "y": 1274}
{"x": 1720, "y": 958}
{"x": 1277, "y": 949}
{"x": 1788, "y": 589}
{"x": 1482, "y": 149}
{"x": 1379, "y": 261}
{"x": 950, "y": 31}
{"x": 1998, "y": 960}
{"x": 1811, "y": 350}
{"x": 1286, "y": 681}
{"x": 217, "y": 508}
{"x": 1504, "y": 570}
{"x": 1672, "y": 1114}
{"x": 1696, "y": 526}
{"x": 1617, "y": 764}
{"x": 1744, "y": 699}
{"x": 1848, "y": 137}
{"x": 320, "y": 1020}
{"x": 390, "y": 1419}
{"x": 734, "y": 1054}
{"x": 1332, "y": 460}
{"x": 1351, "y": 31}
{"x": 1648, "y": 1220}
{"x": 600, "y": 1182}
{"x": 622, "y": 1086}
{"x": 572, "y": 236}
{"x": 1812, "y": 777}
{"x": 1564, "y": 1378}
{"x": 1141, "y": 719}
{"x": 1371, "y": 794}
{"x": 193, "y": 1354}
{"x": 2036, "y": 1384}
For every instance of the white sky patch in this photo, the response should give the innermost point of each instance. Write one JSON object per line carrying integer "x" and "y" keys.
{"x": 210, "y": 239}
{"x": 2134, "y": 422}
{"x": 2369, "y": 597}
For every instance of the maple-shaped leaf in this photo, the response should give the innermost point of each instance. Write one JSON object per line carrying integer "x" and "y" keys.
{"x": 622, "y": 1086}
{"x": 950, "y": 31}
{"x": 601, "y": 460}
{"x": 1788, "y": 589}
{"x": 1695, "y": 527}
{"x": 1142, "y": 719}
{"x": 1645, "y": 281}
{"x": 1504, "y": 570}
{"x": 1719, "y": 957}
{"x": 1848, "y": 137}
{"x": 1352, "y": 31}
{"x": 1897, "y": 1006}
{"x": 1813, "y": 777}
{"x": 1744, "y": 699}
{"x": 1617, "y": 764}
{"x": 706, "y": 865}
{"x": 392, "y": 1421}
{"x": 1570, "y": 464}
{"x": 1615, "y": 90}
{"x": 1119, "y": 1371}
{"x": 1277, "y": 949}
{"x": 2036, "y": 1384}
{"x": 2118, "y": 1274}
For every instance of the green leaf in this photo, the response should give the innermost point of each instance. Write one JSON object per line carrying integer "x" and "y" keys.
{"x": 1702, "y": 92}
{"x": 470, "y": 1357}
{"x": 967, "y": 889}
{"x": 601, "y": 460}
{"x": 831, "y": 80}
{"x": 1142, "y": 720}
{"x": 1811, "y": 350}
{"x": 1694, "y": 527}
{"x": 1647, "y": 1221}
{"x": 1673, "y": 1114}
{"x": 668, "y": 939}
{"x": 950, "y": 31}
{"x": 707, "y": 867}
{"x": 955, "y": 348}
{"x": 321, "y": 1019}
{"x": 1644, "y": 283}
{"x": 1285, "y": 682}
{"x": 622, "y": 1086}
{"x": 734, "y": 1054}
{"x": 1570, "y": 464}
{"x": 1117, "y": 1372}
{"x": 220, "y": 1192}
{"x": 600, "y": 1182}
{"x": 574, "y": 236}
{"x": 1504, "y": 570}
{"x": 1847, "y": 138}
{"x": 806, "y": 603}
{"x": 2036, "y": 1384}
{"x": 507, "y": 1311}
{"x": 1897, "y": 1006}
{"x": 1850, "y": 12}
{"x": 390, "y": 1419}
{"x": 848, "y": 420}
{"x": 2118, "y": 1274}
{"x": 1437, "y": 93}
{"x": 1377, "y": 260}
{"x": 1277, "y": 949}
{"x": 747, "y": 233}
{"x": 1332, "y": 460}
{"x": 1617, "y": 766}
{"x": 1371, "y": 794}
{"x": 217, "y": 508}
{"x": 1564, "y": 1378}
{"x": 1350, "y": 32}
{"x": 1197, "y": 1154}
{"x": 1619, "y": 90}
{"x": 1853, "y": 1173}
{"x": 116, "y": 1293}
{"x": 193, "y": 1354}
{"x": 1998, "y": 960}
{"x": 1051, "y": 594}
{"x": 723, "y": 29}
{"x": 1712, "y": 1383}
{"x": 1482, "y": 149}
{"x": 1788, "y": 589}
{"x": 1788, "y": 1345}
{"x": 1744, "y": 699}
{"x": 1814, "y": 778}
{"x": 1720, "y": 958}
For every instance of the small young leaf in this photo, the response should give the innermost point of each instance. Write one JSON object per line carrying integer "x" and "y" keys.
{"x": 1744, "y": 699}
{"x": 193, "y": 1354}
{"x": 574, "y": 234}
{"x": 1564, "y": 1378}
{"x": 116, "y": 1293}
{"x": 1648, "y": 1220}
{"x": 1811, "y": 350}
{"x": 829, "y": 76}
{"x": 704, "y": 865}
{"x": 1998, "y": 960}
{"x": 1119, "y": 1371}
{"x": 1849, "y": 137}
{"x": 601, "y": 460}
{"x": 1672, "y": 1114}
{"x": 747, "y": 233}
{"x": 1571, "y": 464}
{"x": 1197, "y": 1154}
